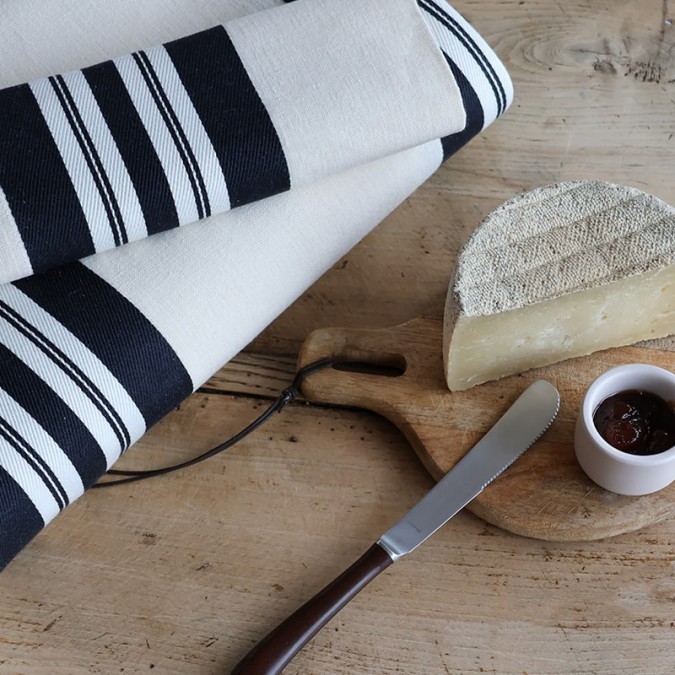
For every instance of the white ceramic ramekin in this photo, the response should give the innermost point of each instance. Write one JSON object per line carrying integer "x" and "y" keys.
{"x": 613, "y": 469}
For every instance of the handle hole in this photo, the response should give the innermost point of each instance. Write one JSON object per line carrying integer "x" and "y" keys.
{"x": 383, "y": 365}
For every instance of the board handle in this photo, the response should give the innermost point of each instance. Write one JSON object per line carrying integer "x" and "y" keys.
{"x": 273, "y": 653}
{"x": 379, "y": 366}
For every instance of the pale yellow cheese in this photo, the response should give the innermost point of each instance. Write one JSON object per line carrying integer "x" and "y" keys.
{"x": 559, "y": 272}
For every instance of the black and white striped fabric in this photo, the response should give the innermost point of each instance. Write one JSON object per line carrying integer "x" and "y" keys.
{"x": 313, "y": 118}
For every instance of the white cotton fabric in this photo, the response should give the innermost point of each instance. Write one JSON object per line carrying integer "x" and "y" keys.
{"x": 393, "y": 89}
{"x": 39, "y": 38}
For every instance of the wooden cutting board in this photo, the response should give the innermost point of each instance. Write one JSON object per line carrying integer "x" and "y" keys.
{"x": 545, "y": 494}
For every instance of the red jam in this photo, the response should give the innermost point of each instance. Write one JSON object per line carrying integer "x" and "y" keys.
{"x": 636, "y": 422}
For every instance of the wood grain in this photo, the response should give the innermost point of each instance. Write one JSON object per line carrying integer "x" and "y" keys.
{"x": 187, "y": 572}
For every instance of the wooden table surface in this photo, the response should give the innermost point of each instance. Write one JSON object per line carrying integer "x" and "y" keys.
{"x": 183, "y": 574}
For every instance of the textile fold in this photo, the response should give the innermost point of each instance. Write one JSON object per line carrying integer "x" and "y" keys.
{"x": 260, "y": 149}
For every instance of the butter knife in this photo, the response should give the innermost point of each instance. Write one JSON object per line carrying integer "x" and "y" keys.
{"x": 522, "y": 424}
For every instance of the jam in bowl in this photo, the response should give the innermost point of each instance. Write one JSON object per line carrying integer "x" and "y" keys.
{"x": 636, "y": 421}
{"x": 625, "y": 433}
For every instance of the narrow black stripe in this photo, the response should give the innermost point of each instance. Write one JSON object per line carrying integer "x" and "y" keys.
{"x": 180, "y": 131}
{"x": 475, "y": 119}
{"x": 88, "y": 388}
{"x": 35, "y": 462}
{"x": 87, "y": 158}
{"x": 20, "y": 521}
{"x": 129, "y": 345}
{"x": 475, "y": 51}
{"x": 53, "y": 415}
{"x": 478, "y": 54}
{"x": 173, "y": 131}
{"x": 134, "y": 145}
{"x": 41, "y": 196}
{"x": 235, "y": 119}
{"x": 110, "y": 192}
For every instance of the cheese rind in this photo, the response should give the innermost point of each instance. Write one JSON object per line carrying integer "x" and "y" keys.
{"x": 559, "y": 272}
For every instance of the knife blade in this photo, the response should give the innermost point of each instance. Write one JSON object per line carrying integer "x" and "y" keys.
{"x": 522, "y": 424}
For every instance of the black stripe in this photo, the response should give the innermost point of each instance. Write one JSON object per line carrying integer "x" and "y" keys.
{"x": 180, "y": 131}
{"x": 41, "y": 196}
{"x": 134, "y": 145}
{"x": 117, "y": 225}
{"x": 120, "y": 336}
{"x": 36, "y": 463}
{"x": 20, "y": 521}
{"x": 174, "y": 129}
{"x": 483, "y": 63}
{"x": 76, "y": 374}
{"x": 475, "y": 119}
{"x": 235, "y": 119}
{"x": 53, "y": 415}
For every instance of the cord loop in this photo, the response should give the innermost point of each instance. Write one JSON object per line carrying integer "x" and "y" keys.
{"x": 286, "y": 396}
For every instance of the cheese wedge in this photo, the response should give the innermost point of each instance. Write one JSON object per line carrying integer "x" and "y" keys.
{"x": 562, "y": 271}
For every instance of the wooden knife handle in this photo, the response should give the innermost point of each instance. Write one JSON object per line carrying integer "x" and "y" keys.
{"x": 274, "y": 652}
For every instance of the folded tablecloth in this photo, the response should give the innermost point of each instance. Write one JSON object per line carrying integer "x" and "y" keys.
{"x": 287, "y": 130}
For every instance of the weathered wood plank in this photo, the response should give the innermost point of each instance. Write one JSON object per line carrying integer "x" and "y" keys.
{"x": 264, "y": 375}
